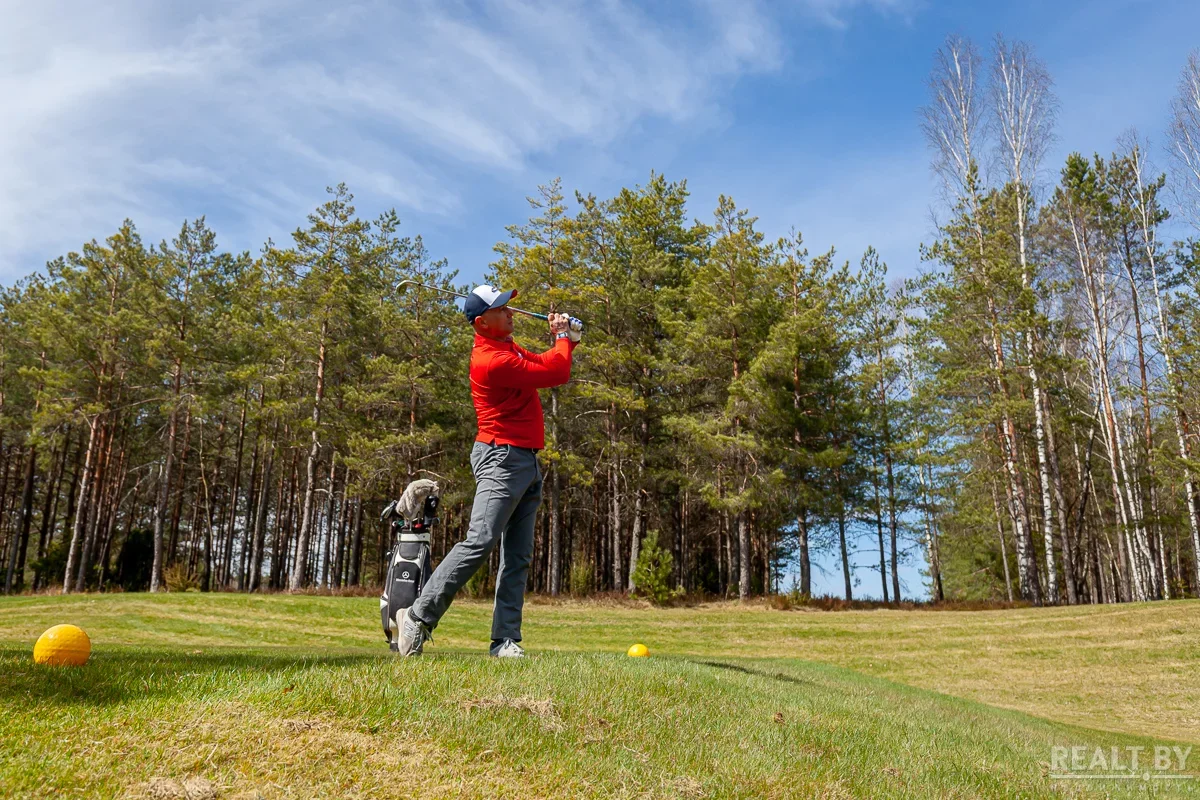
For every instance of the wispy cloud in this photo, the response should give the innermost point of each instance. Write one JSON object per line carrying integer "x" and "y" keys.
{"x": 144, "y": 110}
{"x": 837, "y": 13}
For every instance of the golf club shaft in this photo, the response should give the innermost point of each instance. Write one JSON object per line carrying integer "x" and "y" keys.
{"x": 533, "y": 314}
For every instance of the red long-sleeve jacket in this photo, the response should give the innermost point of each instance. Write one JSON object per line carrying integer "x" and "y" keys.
{"x": 505, "y": 378}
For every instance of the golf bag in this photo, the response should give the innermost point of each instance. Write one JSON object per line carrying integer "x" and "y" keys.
{"x": 411, "y": 519}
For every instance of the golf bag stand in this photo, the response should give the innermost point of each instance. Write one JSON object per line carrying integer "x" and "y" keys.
{"x": 408, "y": 564}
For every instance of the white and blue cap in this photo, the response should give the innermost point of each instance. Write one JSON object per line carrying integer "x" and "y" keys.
{"x": 484, "y": 298}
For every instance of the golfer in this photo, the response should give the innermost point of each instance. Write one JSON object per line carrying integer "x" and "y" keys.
{"x": 508, "y": 481}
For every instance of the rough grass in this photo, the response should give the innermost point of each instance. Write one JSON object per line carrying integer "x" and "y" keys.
{"x": 234, "y": 696}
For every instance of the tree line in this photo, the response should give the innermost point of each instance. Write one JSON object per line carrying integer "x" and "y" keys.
{"x": 1017, "y": 420}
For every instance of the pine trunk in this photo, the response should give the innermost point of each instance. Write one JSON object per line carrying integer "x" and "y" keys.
{"x": 802, "y": 554}
{"x": 164, "y": 490}
{"x": 329, "y": 504}
{"x": 299, "y": 577}
{"x": 15, "y": 575}
{"x": 893, "y": 523}
{"x": 260, "y": 517}
{"x": 96, "y": 504}
{"x": 226, "y": 576}
{"x": 636, "y": 538}
{"x": 81, "y": 509}
{"x": 339, "y": 562}
{"x": 58, "y": 458}
{"x": 883, "y": 571}
{"x": 179, "y": 491}
{"x": 114, "y": 503}
{"x": 614, "y": 508}
{"x": 253, "y": 491}
{"x": 844, "y": 551}
{"x": 356, "y": 561}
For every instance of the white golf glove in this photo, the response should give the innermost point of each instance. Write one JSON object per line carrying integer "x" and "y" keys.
{"x": 562, "y": 325}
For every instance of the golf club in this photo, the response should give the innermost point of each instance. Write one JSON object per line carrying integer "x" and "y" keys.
{"x": 456, "y": 294}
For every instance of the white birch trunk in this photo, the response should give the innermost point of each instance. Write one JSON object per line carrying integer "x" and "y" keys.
{"x": 1003, "y": 549}
{"x": 1185, "y": 139}
{"x": 1022, "y": 93}
{"x": 1097, "y": 294}
{"x": 950, "y": 124}
{"x": 1162, "y": 333}
{"x": 931, "y": 546}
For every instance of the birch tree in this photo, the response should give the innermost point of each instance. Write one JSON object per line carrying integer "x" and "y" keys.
{"x": 1142, "y": 196}
{"x": 1184, "y": 140}
{"x": 951, "y": 123}
{"x": 1024, "y": 112}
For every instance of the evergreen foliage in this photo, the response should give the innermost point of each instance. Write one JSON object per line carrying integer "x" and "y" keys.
{"x": 652, "y": 573}
{"x": 1018, "y": 421}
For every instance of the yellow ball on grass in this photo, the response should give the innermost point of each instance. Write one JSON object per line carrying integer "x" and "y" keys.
{"x": 638, "y": 651}
{"x": 63, "y": 646}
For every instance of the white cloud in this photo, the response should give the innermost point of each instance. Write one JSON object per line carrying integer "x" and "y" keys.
{"x": 836, "y": 13}
{"x": 131, "y": 108}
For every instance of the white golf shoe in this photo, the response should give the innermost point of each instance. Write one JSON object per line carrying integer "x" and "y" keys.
{"x": 507, "y": 649}
{"x": 413, "y": 635}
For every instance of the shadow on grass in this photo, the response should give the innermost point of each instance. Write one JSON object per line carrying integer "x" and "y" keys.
{"x": 116, "y": 677}
{"x": 775, "y": 676}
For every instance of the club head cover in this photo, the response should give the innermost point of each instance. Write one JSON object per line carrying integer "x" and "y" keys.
{"x": 411, "y": 504}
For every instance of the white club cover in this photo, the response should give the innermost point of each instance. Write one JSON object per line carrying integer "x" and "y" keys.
{"x": 412, "y": 503}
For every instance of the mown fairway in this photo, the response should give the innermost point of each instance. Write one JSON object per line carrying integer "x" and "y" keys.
{"x": 297, "y": 696}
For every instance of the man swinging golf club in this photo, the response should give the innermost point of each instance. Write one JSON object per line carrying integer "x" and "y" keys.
{"x": 508, "y": 481}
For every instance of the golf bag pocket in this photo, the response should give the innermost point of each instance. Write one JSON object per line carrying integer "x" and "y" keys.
{"x": 408, "y": 569}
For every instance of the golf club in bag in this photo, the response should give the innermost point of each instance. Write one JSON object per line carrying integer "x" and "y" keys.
{"x": 411, "y": 519}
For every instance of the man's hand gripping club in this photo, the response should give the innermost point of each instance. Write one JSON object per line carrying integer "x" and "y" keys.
{"x": 564, "y": 325}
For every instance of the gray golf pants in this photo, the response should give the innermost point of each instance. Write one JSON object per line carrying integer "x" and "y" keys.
{"x": 508, "y": 491}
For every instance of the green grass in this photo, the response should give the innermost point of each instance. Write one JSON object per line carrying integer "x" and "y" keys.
{"x": 297, "y": 696}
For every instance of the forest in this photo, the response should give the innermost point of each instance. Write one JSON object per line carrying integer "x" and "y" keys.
{"x": 1016, "y": 418}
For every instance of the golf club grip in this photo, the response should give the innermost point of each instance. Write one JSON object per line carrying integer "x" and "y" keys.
{"x": 535, "y": 315}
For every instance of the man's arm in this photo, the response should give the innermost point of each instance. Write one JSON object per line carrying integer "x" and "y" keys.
{"x": 544, "y": 358}
{"x": 532, "y": 370}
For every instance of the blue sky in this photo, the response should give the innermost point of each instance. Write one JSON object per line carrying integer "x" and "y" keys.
{"x": 805, "y": 111}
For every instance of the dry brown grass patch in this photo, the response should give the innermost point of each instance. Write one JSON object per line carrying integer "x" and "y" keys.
{"x": 235, "y": 750}
{"x": 543, "y": 709}
{"x": 191, "y": 788}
